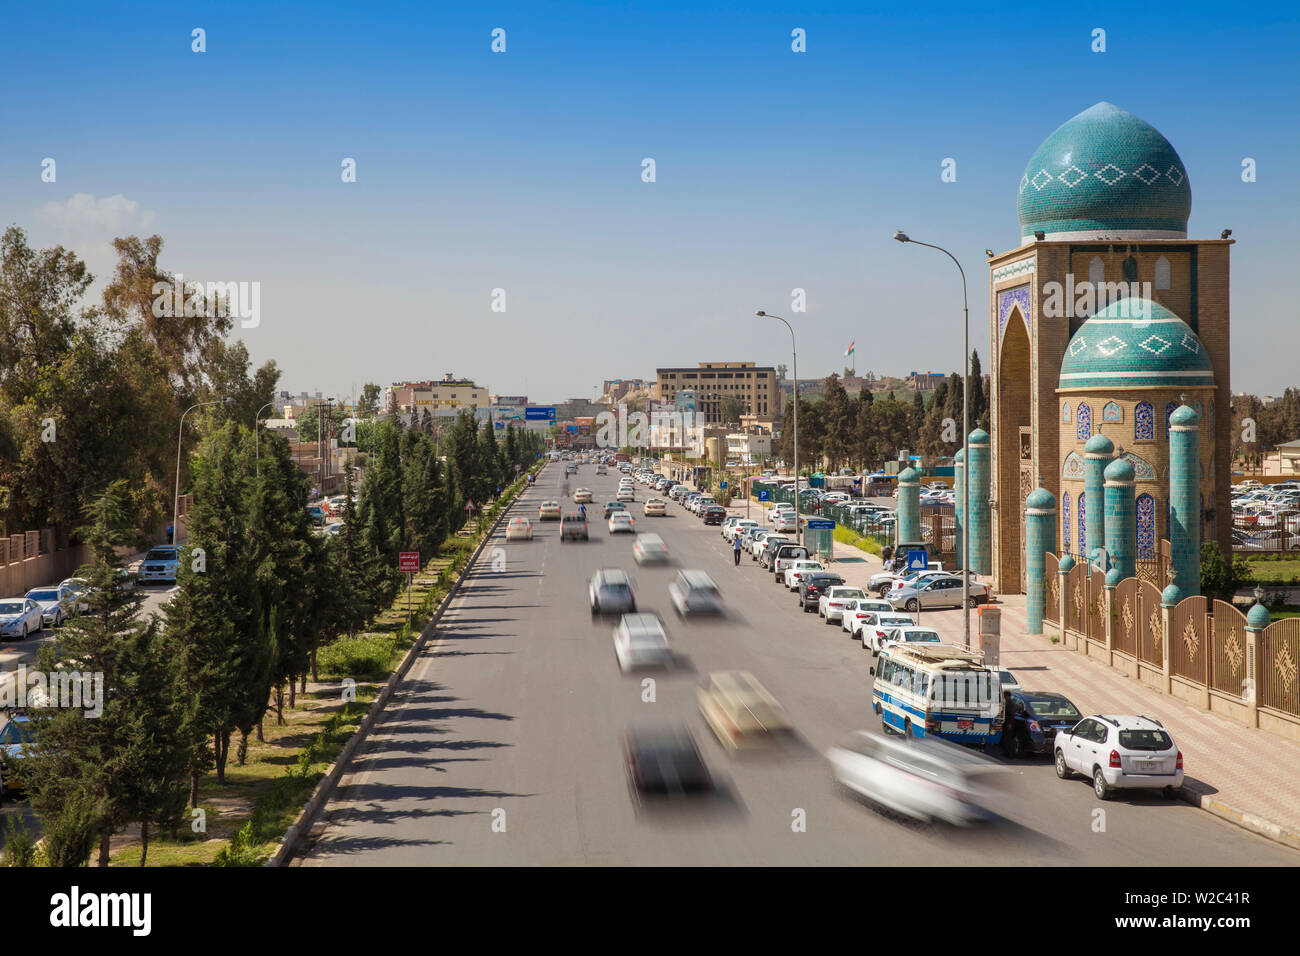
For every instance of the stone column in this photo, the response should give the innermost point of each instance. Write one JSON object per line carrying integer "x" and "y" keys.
{"x": 1185, "y": 499}
{"x": 979, "y": 523}
{"x": 1256, "y": 622}
{"x": 1096, "y": 456}
{"x": 908, "y": 527}
{"x": 1121, "y": 518}
{"x": 959, "y": 486}
{"x": 1040, "y": 537}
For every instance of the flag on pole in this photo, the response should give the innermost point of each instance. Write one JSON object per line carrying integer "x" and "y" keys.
{"x": 849, "y": 350}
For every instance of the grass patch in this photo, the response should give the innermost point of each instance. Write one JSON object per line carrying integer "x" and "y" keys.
{"x": 849, "y": 536}
{"x": 1274, "y": 569}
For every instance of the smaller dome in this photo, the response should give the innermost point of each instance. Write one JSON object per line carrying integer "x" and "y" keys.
{"x": 979, "y": 437}
{"x": 1113, "y": 577}
{"x": 960, "y": 457}
{"x": 1119, "y": 470}
{"x": 1040, "y": 499}
{"x": 1099, "y": 445}
{"x": 1171, "y": 595}
{"x": 1135, "y": 343}
{"x": 1066, "y": 563}
{"x": 1257, "y": 617}
{"x": 1184, "y": 415}
{"x": 909, "y": 476}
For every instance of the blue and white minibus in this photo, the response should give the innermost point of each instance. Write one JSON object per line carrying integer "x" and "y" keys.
{"x": 939, "y": 690}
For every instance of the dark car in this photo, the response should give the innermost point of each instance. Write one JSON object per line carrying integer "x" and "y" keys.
{"x": 714, "y": 514}
{"x": 663, "y": 764}
{"x": 812, "y": 586}
{"x": 573, "y": 527}
{"x": 612, "y": 506}
{"x": 770, "y": 544}
{"x": 1037, "y": 717}
{"x": 610, "y": 592}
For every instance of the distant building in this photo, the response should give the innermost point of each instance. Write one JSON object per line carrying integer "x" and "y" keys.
{"x": 715, "y": 382}
{"x": 925, "y": 381}
{"x": 450, "y": 393}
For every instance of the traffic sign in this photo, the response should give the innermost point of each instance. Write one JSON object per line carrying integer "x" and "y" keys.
{"x": 469, "y": 504}
{"x": 819, "y": 524}
{"x": 764, "y": 494}
{"x": 917, "y": 560}
{"x": 540, "y": 414}
{"x": 722, "y": 484}
{"x": 408, "y": 562}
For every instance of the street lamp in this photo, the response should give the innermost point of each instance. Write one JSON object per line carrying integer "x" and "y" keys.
{"x": 901, "y": 236}
{"x": 794, "y": 364}
{"x": 180, "y": 431}
{"x": 257, "y": 436}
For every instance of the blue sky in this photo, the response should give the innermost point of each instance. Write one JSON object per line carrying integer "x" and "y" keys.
{"x": 522, "y": 171}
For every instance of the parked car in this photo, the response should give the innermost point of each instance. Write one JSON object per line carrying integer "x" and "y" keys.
{"x": 693, "y": 592}
{"x": 16, "y": 736}
{"x": 910, "y": 634}
{"x": 1120, "y": 753}
{"x": 610, "y": 592}
{"x": 943, "y": 591}
{"x": 768, "y": 551}
{"x": 640, "y": 641}
{"x": 834, "y": 601}
{"x": 874, "y": 636}
{"x": 1035, "y": 720}
{"x": 796, "y": 569}
{"x": 887, "y": 579}
{"x": 859, "y": 613}
{"x": 812, "y": 586}
{"x": 739, "y": 527}
{"x": 57, "y": 603}
{"x": 713, "y": 514}
{"x": 783, "y": 555}
{"x": 520, "y": 529}
{"x": 786, "y": 521}
{"x": 741, "y": 712}
{"x": 161, "y": 564}
{"x": 574, "y": 528}
{"x": 20, "y": 617}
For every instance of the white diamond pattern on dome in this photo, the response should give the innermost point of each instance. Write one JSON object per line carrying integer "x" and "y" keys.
{"x": 1175, "y": 175}
{"x": 1190, "y": 343}
{"x": 1111, "y": 346}
{"x": 1112, "y": 177}
{"x": 1154, "y": 344}
{"x": 1147, "y": 173}
{"x": 1077, "y": 346}
{"x": 1024, "y": 181}
{"x": 1042, "y": 175}
{"x": 1075, "y": 176}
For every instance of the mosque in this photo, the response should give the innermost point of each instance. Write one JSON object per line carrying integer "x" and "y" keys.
{"x": 1109, "y": 335}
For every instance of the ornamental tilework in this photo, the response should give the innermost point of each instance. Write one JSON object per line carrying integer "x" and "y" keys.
{"x": 1083, "y": 430}
{"x": 1013, "y": 269}
{"x": 1065, "y": 412}
{"x": 1065, "y": 522}
{"x": 1009, "y": 299}
{"x": 1146, "y": 527}
{"x": 1142, "y": 470}
{"x": 1169, "y": 410}
{"x": 1073, "y": 467}
{"x": 1083, "y": 526}
{"x": 1144, "y": 422}
{"x": 1111, "y": 412}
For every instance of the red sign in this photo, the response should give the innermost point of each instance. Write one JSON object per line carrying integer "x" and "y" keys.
{"x": 469, "y": 504}
{"x": 408, "y": 562}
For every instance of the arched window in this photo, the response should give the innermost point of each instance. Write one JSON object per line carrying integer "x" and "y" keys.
{"x": 1065, "y": 522}
{"x": 1111, "y": 412}
{"x": 1144, "y": 422}
{"x": 1083, "y": 527}
{"x": 1146, "y": 528}
{"x": 1083, "y": 418}
{"x": 1065, "y": 412}
{"x": 1162, "y": 273}
{"x": 1169, "y": 410}
{"x": 1096, "y": 270}
{"x": 1130, "y": 269}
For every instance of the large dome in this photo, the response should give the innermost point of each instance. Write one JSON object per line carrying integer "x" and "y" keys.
{"x": 1105, "y": 174}
{"x": 1135, "y": 343}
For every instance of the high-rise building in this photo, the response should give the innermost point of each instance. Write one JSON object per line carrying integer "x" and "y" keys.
{"x": 714, "y": 382}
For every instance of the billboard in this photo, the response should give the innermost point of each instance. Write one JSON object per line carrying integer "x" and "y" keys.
{"x": 539, "y": 413}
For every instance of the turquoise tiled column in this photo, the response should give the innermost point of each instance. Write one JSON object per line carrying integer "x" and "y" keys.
{"x": 1185, "y": 498}
{"x": 1121, "y": 518}
{"x": 979, "y": 523}
{"x": 909, "y": 506}
{"x": 959, "y": 486}
{"x": 1097, "y": 454}
{"x": 1040, "y": 537}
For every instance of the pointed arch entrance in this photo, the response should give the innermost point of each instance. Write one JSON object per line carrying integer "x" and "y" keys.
{"x": 1014, "y": 437}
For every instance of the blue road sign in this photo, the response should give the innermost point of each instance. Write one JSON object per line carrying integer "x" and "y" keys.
{"x": 722, "y": 484}
{"x": 917, "y": 560}
{"x": 540, "y": 414}
{"x": 764, "y": 494}
{"x": 822, "y": 524}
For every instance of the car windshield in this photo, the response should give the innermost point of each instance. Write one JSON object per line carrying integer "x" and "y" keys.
{"x": 1052, "y": 707}
{"x": 893, "y": 621}
{"x": 11, "y": 607}
{"x": 43, "y": 595}
{"x": 925, "y": 637}
{"x": 161, "y": 554}
{"x": 851, "y": 593}
{"x": 16, "y": 733}
{"x": 1144, "y": 740}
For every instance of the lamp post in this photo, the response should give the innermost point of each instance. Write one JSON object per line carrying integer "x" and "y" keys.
{"x": 901, "y": 236}
{"x": 180, "y": 431}
{"x": 794, "y": 364}
{"x": 257, "y": 437}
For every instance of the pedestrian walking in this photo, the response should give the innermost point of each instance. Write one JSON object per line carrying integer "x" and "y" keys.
{"x": 735, "y": 548}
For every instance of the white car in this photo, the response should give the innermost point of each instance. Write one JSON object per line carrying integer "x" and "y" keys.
{"x": 909, "y": 634}
{"x": 1120, "y": 753}
{"x": 625, "y": 494}
{"x": 738, "y": 527}
{"x": 620, "y": 521}
{"x": 640, "y": 641}
{"x": 756, "y": 543}
{"x": 786, "y": 521}
{"x": 833, "y": 601}
{"x": 519, "y": 529}
{"x": 873, "y": 637}
{"x": 649, "y": 549}
{"x": 858, "y": 612}
{"x": 882, "y": 584}
{"x": 19, "y": 617}
{"x": 796, "y": 569}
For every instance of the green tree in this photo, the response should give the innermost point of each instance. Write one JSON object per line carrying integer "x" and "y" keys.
{"x": 368, "y": 403}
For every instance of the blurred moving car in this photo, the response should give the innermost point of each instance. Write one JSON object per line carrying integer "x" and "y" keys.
{"x": 649, "y": 549}
{"x": 520, "y": 529}
{"x": 693, "y": 592}
{"x": 1034, "y": 721}
{"x": 161, "y": 564}
{"x": 665, "y": 764}
{"x": 582, "y": 496}
{"x": 655, "y": 507}
{"x": 1120, "y": 753}
{"x": 612, "y": 506}
{"x": 548, "y": 511}
{"x": 574, "y": 528}
{"x": 20, "y": 617}
{"x": 626, "y": 494}
{"x": 621, "y": 521}
{"x": 610, "y": 592}
{"x": 924, "y": 778}
{"x": 640, "y": 641}
{"x": 741, "y": 712}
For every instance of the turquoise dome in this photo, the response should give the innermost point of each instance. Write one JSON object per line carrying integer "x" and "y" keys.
{"x": 978, "y": 437}
{"x": 1099, "y": 445}
{"x": 1171, "y": 596}
{"x": 1135, "y": 343}
{"x": 1120, "y": 470}
{"x": 1184, "y": 415}
{"x": 909, "y": 476}
{"x": 1040, "y": 499}
{"x": 1257, "y": 617}
{"x": 1113, "y": 577}
{"x": 1105, "y": 174}
{"x": 1066, "y": 564}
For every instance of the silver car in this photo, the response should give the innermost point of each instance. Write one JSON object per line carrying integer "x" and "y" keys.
{"x": 19, "y": 617}
{"x": 937, "y": 592}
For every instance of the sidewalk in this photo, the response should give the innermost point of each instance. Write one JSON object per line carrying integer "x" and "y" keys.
{"x": 1249, "y": 777}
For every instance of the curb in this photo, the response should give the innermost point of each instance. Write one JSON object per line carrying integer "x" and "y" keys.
{"x": 1247, "y": 821}
{"x": 329, "y": 783}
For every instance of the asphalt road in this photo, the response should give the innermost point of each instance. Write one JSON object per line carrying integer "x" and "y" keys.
{"x": 502, "y": 746}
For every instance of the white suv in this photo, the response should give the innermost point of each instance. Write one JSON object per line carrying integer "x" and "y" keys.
{"x": 1120, "y": 753}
